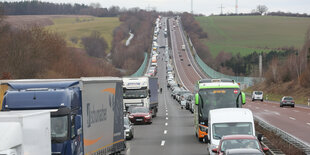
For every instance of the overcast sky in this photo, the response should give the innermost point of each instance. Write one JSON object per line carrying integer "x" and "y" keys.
{"x": 206, "y": 7}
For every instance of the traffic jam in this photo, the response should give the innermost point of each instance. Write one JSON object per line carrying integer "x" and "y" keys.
{"x": 220, "y": 120}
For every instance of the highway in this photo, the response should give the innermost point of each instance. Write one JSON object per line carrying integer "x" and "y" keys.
{"x": 172, "y": 131}
{"x": 294, "y": 121}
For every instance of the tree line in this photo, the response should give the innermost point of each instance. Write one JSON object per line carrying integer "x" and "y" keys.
{"x": 278, "y": 67}
{"x": 37, "y": 53}
{"x": 141, "y": 24}
{"x": 35, "y": 7}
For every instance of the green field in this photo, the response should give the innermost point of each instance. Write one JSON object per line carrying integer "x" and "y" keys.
{"x": 246, "y": 34}
{"x": 71, "y": 27}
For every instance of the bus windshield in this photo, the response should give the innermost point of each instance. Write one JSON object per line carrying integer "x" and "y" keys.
{"x": 135, "y": 93}
{"x": 219, "y": 98}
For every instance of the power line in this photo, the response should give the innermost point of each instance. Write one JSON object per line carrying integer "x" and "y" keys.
{"x": 221, "y": 9}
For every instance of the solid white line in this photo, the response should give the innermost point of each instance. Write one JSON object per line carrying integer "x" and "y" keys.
{"x": 308, "y": 123}
{"x": 162, "y": 143}
{"x": 166, "y": 118}
{"x": 166, "y": 124}
{"x": 165, "y": 131}
{"x": 292, "y": 118}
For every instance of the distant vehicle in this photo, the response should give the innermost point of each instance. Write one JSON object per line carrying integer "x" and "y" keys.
{"x": 183, "y": 47}
{"x": 183, "y": 99}
{"x": 287, "y": 101}
{"x": 238, "y": 142}
{"x": 229, "y": 121}
{"x": 214, "y": 94}
{"x": 128, "y": 129}
{"x": 189, "y": 99}
{"x": 257, "y": 95}
{"x": 140, "y": 115}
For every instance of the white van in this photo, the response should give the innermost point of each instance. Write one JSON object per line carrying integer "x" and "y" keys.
{"x": 257, "y": 95}
{"x": 229, "y": 121}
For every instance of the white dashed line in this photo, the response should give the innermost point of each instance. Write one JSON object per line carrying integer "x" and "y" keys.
{"x": 295, "y": 110}
{"x": 162, "y": 143}
{"x": 292, "y": 118}
{"x": 166, "y": 118}
{"x": 276, "y": 113}
{"x": 256, "y": 107}
{"x": 167, "y": 114}
{"x": 165, "y": 131}
{"x": 166, "y": 110}
{"x": 308, "y": 123}
{"x": 166, "y": 124}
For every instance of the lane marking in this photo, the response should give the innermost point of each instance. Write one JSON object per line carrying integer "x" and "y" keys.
{"x": 166, "y": 110}
{"x": 266, "y": 110}
{"x": 166, "y": 113}
{"x": 308, "y": 123}
{"x": 162, "y": 143}
{"x": 256, "y": 107}
{"x": 274, "y": 106}
{"x": 166, "y": 118}
{"x": 276, "y": 113}
{"x": 166, "y": 124}
{"x": 295, "y": 110}
{"x": 165, "y": 131}
{"x": 292, "y": 118}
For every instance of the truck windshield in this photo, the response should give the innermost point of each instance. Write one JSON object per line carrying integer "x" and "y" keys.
{"x": 135, "y": 93}
{"x": 219, "y": 98}
{"x": 59, "y": 128}
{"x": 222, "y": 129}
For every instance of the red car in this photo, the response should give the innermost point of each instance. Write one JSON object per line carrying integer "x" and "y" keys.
{"x": 238, "y": 142}
{"x": 140, "y": 115}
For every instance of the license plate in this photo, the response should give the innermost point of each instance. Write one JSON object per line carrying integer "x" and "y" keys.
{"x": 139, "y": 120}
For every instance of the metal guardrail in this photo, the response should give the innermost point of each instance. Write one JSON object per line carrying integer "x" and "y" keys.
{"x": 285, "y": 136}
{"x": 141, "y": 70}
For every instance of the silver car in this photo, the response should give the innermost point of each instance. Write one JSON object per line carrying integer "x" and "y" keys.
{"x": 128, "y": 129}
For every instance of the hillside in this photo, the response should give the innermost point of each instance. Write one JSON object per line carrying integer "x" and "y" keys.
{"x": 74, "y": 28}
{"x": 246, "y": 34}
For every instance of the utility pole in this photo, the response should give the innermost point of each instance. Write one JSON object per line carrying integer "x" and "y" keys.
{"x": 260, "y": 65}
{"x": 221, "y": 9}
{"x": 192, "y": 11}
{"x": 236, "y": 6}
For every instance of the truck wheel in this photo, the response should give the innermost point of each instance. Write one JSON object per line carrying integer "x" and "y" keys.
{"x": 281, "y": 105}
{"x": 200, "y": 139}
{"x": 293, "y": 106}
{"x": 262, "y": 100}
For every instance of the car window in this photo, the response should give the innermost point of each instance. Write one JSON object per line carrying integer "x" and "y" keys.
{"x": 139, "y": 110}
{"x": 288, "y": 98}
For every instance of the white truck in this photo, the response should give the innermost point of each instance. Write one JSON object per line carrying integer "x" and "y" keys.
{"x": 25, "y": 132}
{"x": 183, "y": 47}
{"x": 141, "y": 91}
{"x": 229, "y": 121}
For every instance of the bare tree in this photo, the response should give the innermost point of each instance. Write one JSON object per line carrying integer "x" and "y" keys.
{"x": 262, "y": 9}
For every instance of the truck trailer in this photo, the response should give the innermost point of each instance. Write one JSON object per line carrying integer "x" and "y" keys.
{"x": 25, "y": 132}
{"x": 88, "y": 112}
{"x": 141, "y": 91}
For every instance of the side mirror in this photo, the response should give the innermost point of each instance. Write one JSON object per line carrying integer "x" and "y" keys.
{"x": 196, "y": 99}
{"x": 78, "y": 124}
{"x": 265, "y": 149}
{"x": 214, "y": 150}
{"x": 260, "y": 137}
{"x": 243, "y": 97}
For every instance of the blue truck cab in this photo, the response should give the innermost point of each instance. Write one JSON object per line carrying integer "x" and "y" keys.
{"x": 63, "y": 99}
